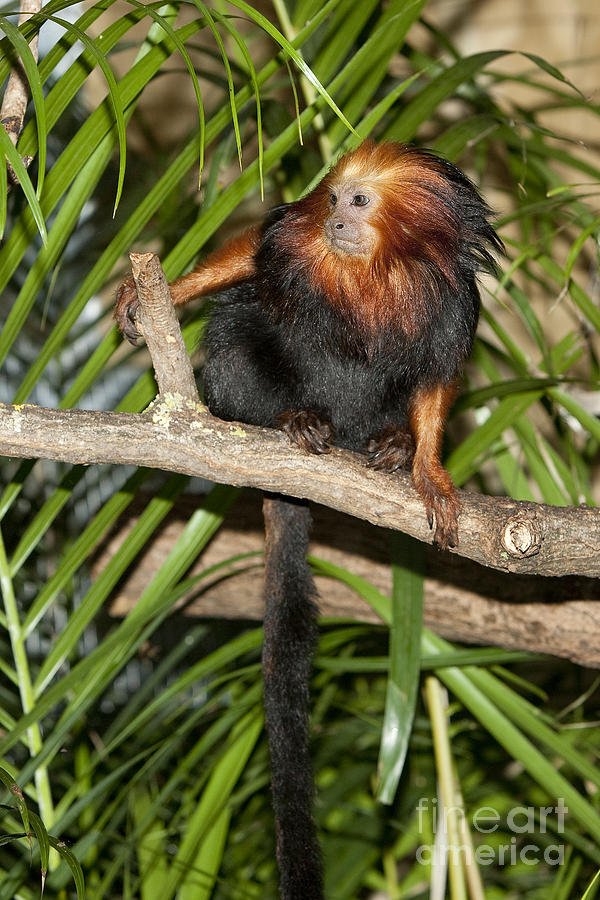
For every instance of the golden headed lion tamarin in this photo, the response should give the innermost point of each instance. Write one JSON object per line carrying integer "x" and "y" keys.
{"x": 344, "y": 318}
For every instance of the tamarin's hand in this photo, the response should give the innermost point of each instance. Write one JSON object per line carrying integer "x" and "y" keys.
{"x": 126, "y": 309}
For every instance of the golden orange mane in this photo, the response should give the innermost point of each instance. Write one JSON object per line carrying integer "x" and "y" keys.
{"x": 418, "y": 233}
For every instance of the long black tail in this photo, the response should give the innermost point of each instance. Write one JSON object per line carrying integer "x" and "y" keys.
{"x": 290, "y": 637}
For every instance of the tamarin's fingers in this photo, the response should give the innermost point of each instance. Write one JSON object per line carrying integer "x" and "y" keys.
{"x": 305, "y": 428}
{"x": 441, "y": 502}
{"x": 391, "y": 449}
{"x": 126, "y": 309}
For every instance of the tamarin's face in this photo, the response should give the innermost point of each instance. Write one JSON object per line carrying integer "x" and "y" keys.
{"x": 348, "y": 228}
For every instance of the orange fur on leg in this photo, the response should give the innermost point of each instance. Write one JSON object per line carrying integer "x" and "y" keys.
{"x": 428, "y": 411}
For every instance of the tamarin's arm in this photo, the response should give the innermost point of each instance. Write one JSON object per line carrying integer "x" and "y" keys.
{"x": 428, "y": 410}
{"x": 232, "y": 263}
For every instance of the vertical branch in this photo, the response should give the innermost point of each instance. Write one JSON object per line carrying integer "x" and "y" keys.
{"x": 158, "y": 322}
{"x": 16, "y": 96}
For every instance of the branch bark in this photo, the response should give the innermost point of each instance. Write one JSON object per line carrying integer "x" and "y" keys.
{"x": 505, "y": 534}
{"x": 16, "y": 95}
{"x": 159, "y": 325}
{"x": 463, "y": 601}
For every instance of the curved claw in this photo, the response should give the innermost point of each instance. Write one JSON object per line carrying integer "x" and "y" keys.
{"x": 446, "y": 523}
{"x": 306, "y": 429}
{"x": 441, "y": 505}
{"x": 126, "y": 309}
{"x": 390, "y": 450}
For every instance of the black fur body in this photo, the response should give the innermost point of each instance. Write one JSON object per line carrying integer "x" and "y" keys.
{"x": 275, "y": 343}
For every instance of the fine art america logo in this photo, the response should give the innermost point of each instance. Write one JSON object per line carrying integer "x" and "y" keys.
{"x": 518, "y": 822}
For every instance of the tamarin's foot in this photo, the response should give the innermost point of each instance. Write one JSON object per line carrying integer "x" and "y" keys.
{"x": 390, "y": 449}
{"x": 305, "y": 428}
{"x": 441, "y": 504}
{"x": 126, "y": 309}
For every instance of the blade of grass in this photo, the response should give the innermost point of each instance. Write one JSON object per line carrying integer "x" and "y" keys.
{"x": 43, "y": 839}
{"x": 27, "y": 60}
{"x": 461, "y": 682}
{"x": 113, "y": 91}
{"x": 146, "y": 524}
{"x": 371, "y": 60}
{"x": 408, "y": 572}
{"x": 92, "y": 673}
{"x": 462, "y": 462}
{"x": 8, "y": 150}
{"x": 289, "y": 48}
{"x": 128, "y": 232}
{"x": 215, "y": 796}
{"x": 72, "y": 862}
{"x": 199, "y": 882}
{"x": 83, "y": 546}
{"x": 180, "y": 45}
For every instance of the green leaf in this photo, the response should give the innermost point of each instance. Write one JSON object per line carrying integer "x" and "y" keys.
{"x": 380, "y": 603}
{"x": 551, "y": 70}
{"x": 83, "y": 546}
{"x": 369, "y": 64}
{"x": 17, "y": 797}
{"x": 462, "y": 683}
{"x": 73, "y": 863}
{"x": 147, "y": 522}
{"x": 216, "y": 794}
{"x": 174, "y": 36}
{"x": 255, "y": 88}
{"x": 219, "y": 41}
{"x": 3, "y": 197}
{"x": 29, "y": 64}
{"x": 202, "y": 874}
{"x": 408, "y": 569}
{"x": 43, "y": 839}
{"x": 463, "y": 462}
{"x": 592, "y": 887}
{"x": 113, "y": 91}
{"x": 289, "y": 48}
{"x": 444, "y": 85}
{"x": 9, "y": 150}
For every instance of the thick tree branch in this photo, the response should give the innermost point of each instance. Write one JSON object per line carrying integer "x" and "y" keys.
{"x": 508, "y": 535}
{"x": 463, "y": 601}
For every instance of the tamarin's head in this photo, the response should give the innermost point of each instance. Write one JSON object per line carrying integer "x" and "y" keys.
{"x": 389, "y": 202}
{"x": 385, "y": 230}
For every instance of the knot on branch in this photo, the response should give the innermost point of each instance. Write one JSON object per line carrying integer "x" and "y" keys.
{"x": 12, "y": 124}
{"x": 521, "y": 536}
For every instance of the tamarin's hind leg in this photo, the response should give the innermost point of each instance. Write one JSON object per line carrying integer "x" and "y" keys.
{"x": 391, "y": 449}
{"x": 312, "y": 432}
{"x": 428, "y": 411}
{"x": 290, "y": 637}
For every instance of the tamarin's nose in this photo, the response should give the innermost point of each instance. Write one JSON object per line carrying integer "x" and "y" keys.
{"x": 339, "y": 224}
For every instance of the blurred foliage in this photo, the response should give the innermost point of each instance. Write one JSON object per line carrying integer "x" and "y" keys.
{"x": 140, "y": 741}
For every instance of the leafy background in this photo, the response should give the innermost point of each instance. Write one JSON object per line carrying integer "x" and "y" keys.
{"x": 139, "y": 741}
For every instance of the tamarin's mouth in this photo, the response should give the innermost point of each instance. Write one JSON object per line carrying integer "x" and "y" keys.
{"x": 345, "y": 245}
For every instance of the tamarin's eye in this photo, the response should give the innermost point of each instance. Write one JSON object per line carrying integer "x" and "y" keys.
{"x": 360, "y": 200}
{"x": 333, "y": 199}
